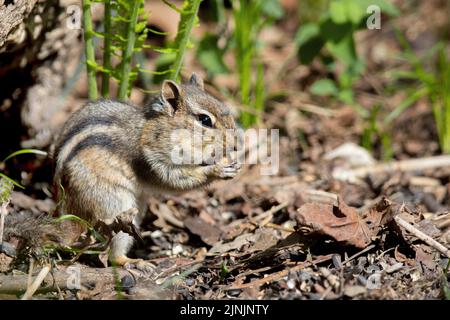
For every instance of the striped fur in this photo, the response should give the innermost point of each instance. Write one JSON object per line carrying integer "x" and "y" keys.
{"x": 110, "y": 155}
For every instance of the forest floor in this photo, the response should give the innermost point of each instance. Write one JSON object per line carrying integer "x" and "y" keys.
{"x": 335, "y": 222}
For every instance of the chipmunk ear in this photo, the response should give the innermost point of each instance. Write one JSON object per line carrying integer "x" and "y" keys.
{"x": 171, "y": 94}
{"x": 195, "y": 80}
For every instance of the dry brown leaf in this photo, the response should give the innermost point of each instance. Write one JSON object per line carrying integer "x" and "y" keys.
{"x": 165, "y": 215}
{"x": 236, "y": 228}
{"x": 424, "y": 255}
{"x": 236, "y": 244}
{"x": 6, "y": 262}
{"x": 265, "y": 239}
{"x": 207, "y": 232}
{"x": 343, "y": 223}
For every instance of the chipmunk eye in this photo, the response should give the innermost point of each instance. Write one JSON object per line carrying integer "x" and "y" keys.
{"x": 205, "y": 120}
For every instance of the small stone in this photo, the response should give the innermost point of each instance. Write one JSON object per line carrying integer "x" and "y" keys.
{"x": 127, "y": 282}
{"x": 291, "y": 283}
{"x": 8, "y": 249}
{"x": 336, "y": 259}
{"x": 361, "y": 280}
{"x": 156, "y": 234}
{"x": 304, "y": 276}
{"x": 213, "y": 202}
{"x": 227, "y": 215}
{"x": 177, "y": 249}
{"x": 353, "y": 291}
{"x": 234, "y": 293}
{"x": 190, "y": 282}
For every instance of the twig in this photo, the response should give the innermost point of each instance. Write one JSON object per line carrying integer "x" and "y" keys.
{"x": 37, "y": 283}
{"x": 181, "y": 276}
{"x": 3, "y": 213}
{"x": 255, "y": 271}
{"x": 278, "y": 275}
{"x": 422, "y": 236}
{"x": 266, "y": 216}
{"x": 30, "y": 273}
{"x": 282, "y": 68}
{"x": 278, "y": 227}
{"x": 311, "y": 195}
{"x": 420, "y": 164}
{"x": 384, "y": 252}
{"x": 312, "y": 108}
{"x": 358, "y": 254}
{"x": 16, "y": 284}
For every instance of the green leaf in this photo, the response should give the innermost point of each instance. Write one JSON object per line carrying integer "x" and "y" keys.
{"x": 272, "y": 9}
{"x": 210, "y": 55}
{"x": 334, "y": 32}
{"x": 346, "y": 96}
{"x": 338, "y": 12}
{"x": 386, "y": 7}
{"x": 6, "y": 187}
{"x": 140, "y": 26}
{"x": 344, "y": 50}
{"x": 309, "y": 42}
{"x": 307, "y": 32}
{"x": 355, "y": 12}
{"x": 163, "y": 64}
{"x": 324, "y": 87}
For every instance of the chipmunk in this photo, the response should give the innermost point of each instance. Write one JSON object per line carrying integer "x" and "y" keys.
{"x": 111, "y": 155}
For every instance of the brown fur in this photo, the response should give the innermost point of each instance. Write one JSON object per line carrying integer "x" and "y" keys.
{"x": 110, "y": 155}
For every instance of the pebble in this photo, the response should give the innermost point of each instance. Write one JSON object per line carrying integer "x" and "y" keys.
{"x": 127, "y": 282}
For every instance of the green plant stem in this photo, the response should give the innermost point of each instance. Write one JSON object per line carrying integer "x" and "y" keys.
{"x": 128, "y": 53}
{"x": 107, "y": 48}
{"x": 244, "y": 54}
{"x": 187, "y": 20}
{"x": 247, "y": 16}
{"x": 89, "y": 49}
{"x": 441, "y": 103}
{"x": 260, "y": 95}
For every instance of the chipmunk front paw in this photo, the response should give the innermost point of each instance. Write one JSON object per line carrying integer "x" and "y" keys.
{"x": 146, "y": 268}
{"x": 226, "y": 171}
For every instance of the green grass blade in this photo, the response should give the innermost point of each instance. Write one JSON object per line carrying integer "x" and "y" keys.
{"x": 25, "y": 151}
{"x": 405, "y": 104}
{"x": 3, "y": 176}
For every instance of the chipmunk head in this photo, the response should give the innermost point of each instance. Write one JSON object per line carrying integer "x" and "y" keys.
{"x": 192, "y": 127}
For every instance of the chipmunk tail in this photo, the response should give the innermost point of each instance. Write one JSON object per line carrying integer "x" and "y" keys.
{"x": 33, "y": 233}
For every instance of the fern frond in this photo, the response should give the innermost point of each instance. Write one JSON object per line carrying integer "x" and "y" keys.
{"x": 89, "y": 49}
{"x": 187, "y": 20}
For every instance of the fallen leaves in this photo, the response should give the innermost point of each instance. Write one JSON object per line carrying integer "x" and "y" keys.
{"x": 344, "y": 223}
{"x": 207, "y": 232}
